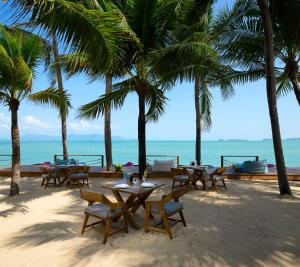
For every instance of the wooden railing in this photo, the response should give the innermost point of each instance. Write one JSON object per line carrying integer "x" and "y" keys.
{"x": 223, "y": 158}
{"x": 100, "y": 158}
{"x": 176, "y": 158}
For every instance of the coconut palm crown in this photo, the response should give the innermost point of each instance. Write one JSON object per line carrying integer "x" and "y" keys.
{"x": 20, "y": 55}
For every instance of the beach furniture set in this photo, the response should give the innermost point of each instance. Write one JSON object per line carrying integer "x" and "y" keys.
{"x": 70, "y": 175}
{"x": 108, "y": 212}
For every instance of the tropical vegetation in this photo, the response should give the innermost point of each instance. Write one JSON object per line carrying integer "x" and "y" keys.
{"x": 145, "y": 47}
{"x": 20, "y": 54}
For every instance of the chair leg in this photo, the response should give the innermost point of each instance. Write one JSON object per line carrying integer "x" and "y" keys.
{"x": 84, "y": 223}
{"x": 182, "y": 218}
{"x": 47, "y": 181}
{"x": 167, "y": 226}
{"x": 173, "y": 184}
{"x": 147, "y": 213}
{"x": 224, "y": 184}
{"x": 107, "y": 230}
{"x": 42, "y": 184}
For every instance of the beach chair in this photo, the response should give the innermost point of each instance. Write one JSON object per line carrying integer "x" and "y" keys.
{"x": 79, "y": 175}
{"x": 215, "y": 178}
{"x": 48, "y": 174}
{"x": 165, "y": 208}
{"x": 180, "y": 175}
{"x": 104, "y": 210}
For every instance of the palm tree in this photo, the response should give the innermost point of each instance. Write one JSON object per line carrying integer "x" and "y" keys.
{"x": 242, "y": 44}
{"x": 152, "y": 23}
{"x": 20, "y": 55}
{"x": 94, "y": 28}
{"x": 59, "y": 80}
{"x": 271, "y": 93}
{"x": 193, "y": 57}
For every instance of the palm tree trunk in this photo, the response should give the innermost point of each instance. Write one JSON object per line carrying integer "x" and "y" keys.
{"x": 271, "y": 94}
{"x": 107, "y": 129}
{"x": 63, "y": 115}
{"x": 142, "y": 134}
{"x": 198, "y": 121}
{"x": 15, "y": 139}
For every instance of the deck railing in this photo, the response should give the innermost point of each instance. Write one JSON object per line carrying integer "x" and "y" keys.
{"x": 99, "y": 158}
{"x": 176, "y": 158}
{"x": 5, "y": 160}
{"x": 223, "y": 160}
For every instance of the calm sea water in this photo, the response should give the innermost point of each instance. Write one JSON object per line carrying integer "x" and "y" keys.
{"x": 123, "y": 151}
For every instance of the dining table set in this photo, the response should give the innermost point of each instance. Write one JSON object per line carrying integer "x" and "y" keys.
{"x": 133, "y": 195}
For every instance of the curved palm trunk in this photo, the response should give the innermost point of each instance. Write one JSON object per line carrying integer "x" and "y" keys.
{"x": 15, "y": 140}
{"x": 271, "y": 93}
{"x": 198, "y": 121}
{"x": 59, "y": 80}
{"x": 107, "y": 128}
{"x": 142, "y": 134}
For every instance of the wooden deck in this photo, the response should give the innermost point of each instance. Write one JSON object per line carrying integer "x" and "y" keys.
{"x": 97, "y": 171}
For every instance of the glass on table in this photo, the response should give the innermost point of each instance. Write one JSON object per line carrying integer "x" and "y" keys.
{"x": 135, "y": 181}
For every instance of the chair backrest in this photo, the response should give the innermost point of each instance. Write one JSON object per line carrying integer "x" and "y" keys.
{"x": 47, "y": 169}
{"x": 219, "y": 171}
{"x": 177, "y": 171}
{"x": 92, "y": 197}
{"x": 175, "y": 194}
{"x": 80, "y": 169}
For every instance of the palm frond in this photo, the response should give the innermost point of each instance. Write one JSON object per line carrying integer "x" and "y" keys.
{"x": 156, "y": 100}
{"x": 114, "y": 100}
{"x": 52, "y": 97}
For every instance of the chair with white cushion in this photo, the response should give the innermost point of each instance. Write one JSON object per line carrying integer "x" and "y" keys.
{"x": 165, "y": 209}
{"x": 104, "y": 210}
{"x": 180, "y": 175}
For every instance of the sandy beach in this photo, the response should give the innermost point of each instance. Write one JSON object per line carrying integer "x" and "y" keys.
{"x": 249, "y": 225}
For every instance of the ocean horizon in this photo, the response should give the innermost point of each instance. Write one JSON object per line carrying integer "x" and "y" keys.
{"x": 38, "y": 151}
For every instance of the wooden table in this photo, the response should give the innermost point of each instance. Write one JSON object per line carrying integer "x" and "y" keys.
{"x": 66, "y": 170}
{"x": 137, "y": 198}
{"x": 198, "y": 174}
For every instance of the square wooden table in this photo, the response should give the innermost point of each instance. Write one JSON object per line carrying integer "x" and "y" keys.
{"x": 137, "y": 198}
{"x": 198, "y": 174}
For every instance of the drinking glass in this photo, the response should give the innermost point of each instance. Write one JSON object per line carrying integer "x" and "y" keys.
{"x": 135, "y": 181}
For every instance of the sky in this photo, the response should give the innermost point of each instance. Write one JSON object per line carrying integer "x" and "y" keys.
{"x": 245, "y": 116}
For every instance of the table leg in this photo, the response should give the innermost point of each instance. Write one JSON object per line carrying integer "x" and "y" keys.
{"x": 128, "y": 202}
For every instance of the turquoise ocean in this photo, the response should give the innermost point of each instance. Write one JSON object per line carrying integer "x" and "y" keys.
{"x": 33, "y": 152}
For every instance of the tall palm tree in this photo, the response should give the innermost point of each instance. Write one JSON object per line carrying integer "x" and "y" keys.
{"x": 271, "y": 93}
{"x": 193, "y": 57}
{"x": 152, "y": 23}
{"x": 20, "y": 54}
{"x": 59, "y": 80}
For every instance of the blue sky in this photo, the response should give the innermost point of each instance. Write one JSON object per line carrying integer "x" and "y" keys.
{"x": 245, "y": 116}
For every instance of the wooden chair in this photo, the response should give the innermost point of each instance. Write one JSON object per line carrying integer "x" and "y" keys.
{"x": 216, "y": 177}
{"x": 165, "y": 208}
{"x": 105, "y": 210}
{"x": 48, "y": 174}
{"x": 79, "y": 175}
{"x": 180, "y": 175}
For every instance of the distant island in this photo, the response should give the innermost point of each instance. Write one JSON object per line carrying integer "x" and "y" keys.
{"x": 93, "y": 137}
{"x": 99, "y": 137}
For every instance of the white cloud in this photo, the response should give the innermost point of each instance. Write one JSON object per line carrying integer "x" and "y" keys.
{"x": 30, "y": 121}
{"x": 84, "y": 126}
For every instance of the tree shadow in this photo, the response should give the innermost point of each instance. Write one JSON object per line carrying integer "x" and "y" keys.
{"x": 249, "y": 225}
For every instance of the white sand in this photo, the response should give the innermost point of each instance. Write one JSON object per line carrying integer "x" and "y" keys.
{"x": 250, "y": 225}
